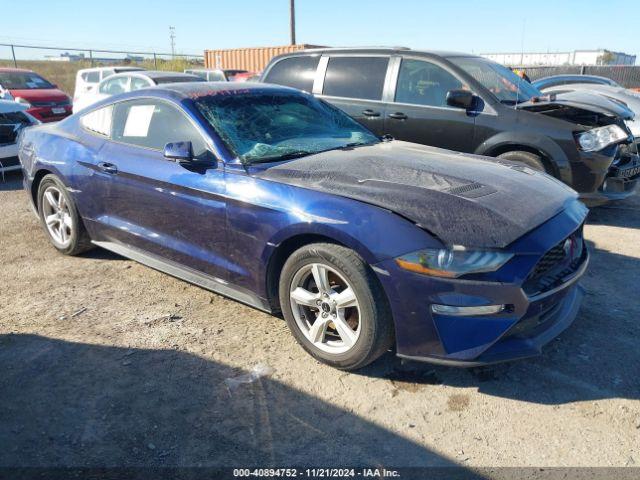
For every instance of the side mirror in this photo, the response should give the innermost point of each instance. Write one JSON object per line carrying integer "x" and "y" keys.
{"x": 178, "y": 151}
{"x": 460, "y": 99}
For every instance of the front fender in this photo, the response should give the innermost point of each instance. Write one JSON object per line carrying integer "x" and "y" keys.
{"x": 507, "y": 141}
{"x": 262, "y": 215}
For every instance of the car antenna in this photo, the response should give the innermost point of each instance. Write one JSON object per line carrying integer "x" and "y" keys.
{"x": 520, "y": 79}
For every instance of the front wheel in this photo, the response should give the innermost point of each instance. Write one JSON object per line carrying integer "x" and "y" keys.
{"x": 529, "y": 159}
{"x": 60, "y": 218}
{"x": 335, "y": 306}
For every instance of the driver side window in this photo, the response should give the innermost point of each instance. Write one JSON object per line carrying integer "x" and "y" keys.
{"x": 424, "y": 83}
{"x": 152, "y": 124}
{"x": 137, "y": 83}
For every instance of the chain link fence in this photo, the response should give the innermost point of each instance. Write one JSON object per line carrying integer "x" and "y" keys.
{"x": 59, "y": 65}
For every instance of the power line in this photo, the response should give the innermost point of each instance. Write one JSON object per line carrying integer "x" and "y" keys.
{"x": 172, "y": 37}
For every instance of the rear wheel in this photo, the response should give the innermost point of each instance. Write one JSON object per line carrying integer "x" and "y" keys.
{"x": 60, "y": 218}
{"x": 529, "y": 159}
{"x": 335, "y": 306}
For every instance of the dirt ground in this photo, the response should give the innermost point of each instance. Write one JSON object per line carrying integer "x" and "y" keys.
{"x": 105, "y": 362}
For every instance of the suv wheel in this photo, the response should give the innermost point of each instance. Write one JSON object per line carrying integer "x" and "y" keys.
{"x": 60, "y": 218}
{"x": 530, "y": 159}
{"x": 335, "y": 306}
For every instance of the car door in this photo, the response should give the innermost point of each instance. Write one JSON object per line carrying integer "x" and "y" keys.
{"x": 355, "y": 84}
{"x": 147, "y": 202}
{"x": 419, "y": 112}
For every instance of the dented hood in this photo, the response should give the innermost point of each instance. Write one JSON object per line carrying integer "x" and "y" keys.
{"x": 461, "y": 199}
{"x": 587, "y": 101}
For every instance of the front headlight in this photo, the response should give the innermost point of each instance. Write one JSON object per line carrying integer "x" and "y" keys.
{"x": 22, "y": 101}
{"x": 598, "y": 138}
{"x": 452, "y": 263}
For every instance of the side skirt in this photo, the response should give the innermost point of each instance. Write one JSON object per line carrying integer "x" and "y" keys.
{"x": 188, "y": 275}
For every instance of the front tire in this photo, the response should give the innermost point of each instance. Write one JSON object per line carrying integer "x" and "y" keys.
{"x": 335, "y": 306}
{"x": 529, "y": 159}
{"x": 60, "y": 219}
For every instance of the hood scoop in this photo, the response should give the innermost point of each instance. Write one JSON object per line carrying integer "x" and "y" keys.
{"x": 472, "y": 190}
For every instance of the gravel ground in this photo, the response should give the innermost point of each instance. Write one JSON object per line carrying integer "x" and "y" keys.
{"x": 105, "y": 362}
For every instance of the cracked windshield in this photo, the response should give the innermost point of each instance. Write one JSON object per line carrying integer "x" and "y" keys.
{"x": 265, "y": 127}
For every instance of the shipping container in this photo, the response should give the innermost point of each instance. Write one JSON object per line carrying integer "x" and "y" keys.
{"x": 252, "y": 59}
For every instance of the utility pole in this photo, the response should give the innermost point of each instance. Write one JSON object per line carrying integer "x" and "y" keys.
{"x": 292, "y": 20}
{"x": 172, "y": 38}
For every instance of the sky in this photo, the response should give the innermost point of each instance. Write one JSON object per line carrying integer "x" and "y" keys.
{"x": 489, "y": 26}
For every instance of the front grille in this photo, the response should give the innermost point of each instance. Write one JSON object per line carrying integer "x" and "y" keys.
{"x": 10, "y": 125}
{"x": 60, "y": 103}
{"x": 9, "y": 162}
{"x": 556, "y": 265}
{"x": 550, "y": 260}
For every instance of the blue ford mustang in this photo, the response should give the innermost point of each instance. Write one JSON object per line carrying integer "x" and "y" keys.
{"x": 277, "y": 199}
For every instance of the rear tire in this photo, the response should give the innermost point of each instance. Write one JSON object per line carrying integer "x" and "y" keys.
{"x": 59, "y": 217}
{"x": 529, "y": 159}
{"x": 346, "y": 323}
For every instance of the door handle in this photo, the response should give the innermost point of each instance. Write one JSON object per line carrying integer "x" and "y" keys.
{"x": 108, "y": 167}
{"x": 370, "y": 113}
{"x": 398, "y": 116}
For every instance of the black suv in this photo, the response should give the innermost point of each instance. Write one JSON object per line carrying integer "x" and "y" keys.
{"x": 471, "y": 104}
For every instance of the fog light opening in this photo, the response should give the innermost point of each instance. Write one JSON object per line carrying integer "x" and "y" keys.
{"x": 466, "y": 311}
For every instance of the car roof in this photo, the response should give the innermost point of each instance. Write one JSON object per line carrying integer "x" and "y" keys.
{"x": 197, "y": 89}
{"x": 9, "y": 69}
{"x": 154, "y": 75}
{"x": 575, "y": 75}
{"x": 122, "y": 68}
{"x": 382, "y": 50}
{"x": 193, "y": 90}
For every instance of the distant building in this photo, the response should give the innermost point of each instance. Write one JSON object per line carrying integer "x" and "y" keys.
{"x": 65, "y": 57}
{"x": 73, "y": 57}
{"x": 577, "y": 57}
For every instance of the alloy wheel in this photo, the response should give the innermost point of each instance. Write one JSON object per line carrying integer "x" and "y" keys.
{"x": 325, "y": 308}
{"x": 57, "y": 216}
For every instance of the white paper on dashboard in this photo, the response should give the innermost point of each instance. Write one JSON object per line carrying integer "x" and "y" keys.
{"x": 138, "y": 121}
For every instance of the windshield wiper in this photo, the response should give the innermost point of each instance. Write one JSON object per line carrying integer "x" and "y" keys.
{"x": 286, "y": 156}
{"x": 304, "y": 153}
{"x": 349, "y": 145}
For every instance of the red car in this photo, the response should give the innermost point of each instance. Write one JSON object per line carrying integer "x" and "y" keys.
{"x": 43, "y": 99}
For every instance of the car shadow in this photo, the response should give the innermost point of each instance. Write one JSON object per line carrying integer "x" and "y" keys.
{"x": 65, "y": 404}
{"x": 625, "y": 213}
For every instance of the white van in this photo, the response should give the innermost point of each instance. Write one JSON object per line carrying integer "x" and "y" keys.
{"x": 88, "y": 78}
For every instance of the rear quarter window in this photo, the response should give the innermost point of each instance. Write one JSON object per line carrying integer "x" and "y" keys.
{"x": 355, "y": 77}
{"x": 98, "y": 121}
{"x": 296, "y": 72}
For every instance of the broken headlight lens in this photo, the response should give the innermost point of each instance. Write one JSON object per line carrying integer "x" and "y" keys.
{"x": 598, "y": 138}
{"x": 452, "y": 263}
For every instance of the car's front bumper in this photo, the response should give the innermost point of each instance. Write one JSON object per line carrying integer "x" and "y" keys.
{"x": 543, "y": 322}
{"x": 617, "y": 181}
{"x": 528, "y": 321}
{"x": 50, "y": 114}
